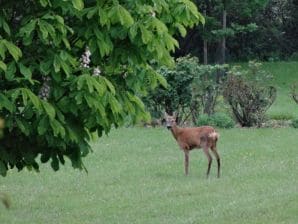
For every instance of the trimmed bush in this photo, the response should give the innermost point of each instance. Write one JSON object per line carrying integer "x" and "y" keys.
{"x": 220, "y": 120}
{"x": 295, "y": 123}
{"x": 249, "y": 94}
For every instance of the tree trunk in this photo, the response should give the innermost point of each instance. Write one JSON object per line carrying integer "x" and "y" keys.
{"x": 205, "y": 47}
{"x": 223, "y": 41}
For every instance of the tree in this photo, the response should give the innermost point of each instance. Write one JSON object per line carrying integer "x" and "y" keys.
{"x": 73, "y": 69}
{"x": 228, "y": 22}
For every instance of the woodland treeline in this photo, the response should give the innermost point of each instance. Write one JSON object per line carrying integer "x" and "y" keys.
{"x": 246, "y": 29}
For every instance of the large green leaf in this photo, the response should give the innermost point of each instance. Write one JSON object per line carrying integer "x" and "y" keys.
{"x": 14, "y": 51}
{"x": 3, "y": 66}
{"x": 6, "y": 103}
{"x": 78, "y": 4}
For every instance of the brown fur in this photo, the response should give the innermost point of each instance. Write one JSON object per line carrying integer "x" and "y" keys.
{"x": 204, "y": 137}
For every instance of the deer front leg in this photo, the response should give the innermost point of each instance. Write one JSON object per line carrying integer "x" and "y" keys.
{"x": 186, "y": 161}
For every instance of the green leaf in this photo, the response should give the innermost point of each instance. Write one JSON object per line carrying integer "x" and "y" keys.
{"x": 44, "y": 3}
{"x": 5, "y": 102}
{"x": 25, "y": 71}
{"x": 91, "y": 12}
{"x": 33, "y": 98}
{"x": 162, "y": 80}
{"x": 45, "y": 67}
{"x": 89, "y": 82}
{"x": 181, "y": 29}
{"x": 147, "y": 36}
{"x": 5, "y": 26}
{"x": 124, "y": 17}
{"x": 55, "y": 163}
{"x": 2, "y": 50}
{"x": 43, "y": 29}
{"x": 28, "y": 28}
{"x": 3, "y": 66}
{"x": 78, "y": 4}
{"x": 23, "y": 126}
{"x": 14, "y": 51}
{"x": 57, "y": 128}
{"x": 110, "y": 85}
{"x": 49, "y": 109}
{"x": 43, "y": 126}
{"x": 10, "y": 72}
{"x": 56, "y": 63}
{"x": 3, "y": 169}
{"x": 45, "y": 157}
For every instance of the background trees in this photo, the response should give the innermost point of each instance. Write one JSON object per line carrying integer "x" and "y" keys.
{"x": 73, "y": 69}
{"x": 258, "y": 29}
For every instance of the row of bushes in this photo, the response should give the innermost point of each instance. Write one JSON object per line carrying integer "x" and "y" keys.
{"x": 195, "y": 91}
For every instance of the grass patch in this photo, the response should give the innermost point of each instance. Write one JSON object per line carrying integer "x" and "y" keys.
{"x": 285, "y": 74}
{"x": 136, "y": 176}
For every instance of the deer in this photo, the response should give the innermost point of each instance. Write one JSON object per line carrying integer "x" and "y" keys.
{"x": 189, "y": 138}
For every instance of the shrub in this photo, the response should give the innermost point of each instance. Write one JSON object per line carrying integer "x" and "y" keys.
{"x": 248, "y": 94}
{"x": 295, "y": 123}
{"x": 178, "y": 94}
{"x": 204, "y": 119}
{"x": 220, "y": 120}
{"x": 207, "y": 87}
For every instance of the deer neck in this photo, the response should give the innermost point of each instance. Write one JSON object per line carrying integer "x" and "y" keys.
{"x": 175, "y": 130}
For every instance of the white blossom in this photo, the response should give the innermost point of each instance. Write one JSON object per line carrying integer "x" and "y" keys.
{"x": 85, "y": 58}
{"x": 96, "y": 71}
{"x": 45, "y": 90}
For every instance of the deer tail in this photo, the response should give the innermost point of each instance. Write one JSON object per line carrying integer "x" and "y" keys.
{"x": 214, "y": 136}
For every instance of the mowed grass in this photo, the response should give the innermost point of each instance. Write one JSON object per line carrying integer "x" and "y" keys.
{"x": 285, "y": 74}
{"x": 136, "y": 176}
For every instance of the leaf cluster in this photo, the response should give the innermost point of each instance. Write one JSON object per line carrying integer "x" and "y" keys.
{"x": 44, "y": 39}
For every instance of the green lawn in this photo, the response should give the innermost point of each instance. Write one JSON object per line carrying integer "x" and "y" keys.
{"x": 136, "y": 176}
{"x": 285, "y": 74}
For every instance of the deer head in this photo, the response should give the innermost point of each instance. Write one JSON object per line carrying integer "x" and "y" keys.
{"x": 170, "y": 120}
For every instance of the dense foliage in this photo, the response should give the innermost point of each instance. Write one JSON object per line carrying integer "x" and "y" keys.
{"x": 178, "y": 94}
{"x": 207, "y": 87}
{"x": 71, "y": 69}
{"x": 193, "y": 89}
{"x": 256, "y": 29}
{"x": 249, "y": 94}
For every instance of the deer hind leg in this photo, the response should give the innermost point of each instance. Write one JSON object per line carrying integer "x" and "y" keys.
{"x": 215, "y": 153}
{"x": 186, "y": 161}
{"x": 206, "y": 151}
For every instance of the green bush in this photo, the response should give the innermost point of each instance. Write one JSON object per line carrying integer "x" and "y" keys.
{"x": 249, "y": 94}
{"x": 178, "y": 94}
{"x": 207, "y": 86}
{"x": 295, "y": 123}
{"x": 204, "y": 119}
{"x": 220, "y": 120}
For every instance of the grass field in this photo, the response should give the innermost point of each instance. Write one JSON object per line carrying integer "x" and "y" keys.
{"x": 136, "y": 176}
{"x": 284, "y": 75}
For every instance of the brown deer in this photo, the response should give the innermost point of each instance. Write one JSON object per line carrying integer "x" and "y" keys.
{"x": 204, "y": 137}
